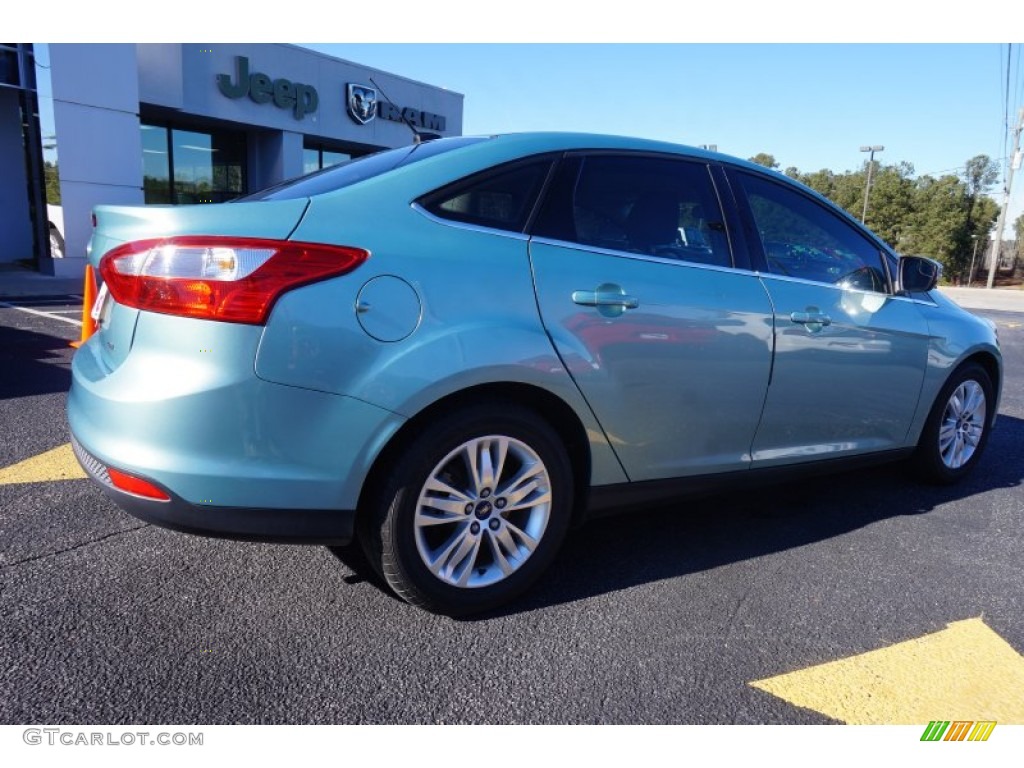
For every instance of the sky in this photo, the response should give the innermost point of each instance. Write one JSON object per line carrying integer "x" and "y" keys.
{"x": 810, "y": 105}
{"x": 793, "y": 78}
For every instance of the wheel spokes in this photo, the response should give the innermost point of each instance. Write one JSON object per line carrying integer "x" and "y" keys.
{"x": 947, "y": 435}
{"x": 462, "y": 527}
{"x": 485, "y": 461}
{"x": 523, "y": 484}
{"x": 459, "y": 550}
{"x": 963, "y": 424}
{"x": 439, "y": 486}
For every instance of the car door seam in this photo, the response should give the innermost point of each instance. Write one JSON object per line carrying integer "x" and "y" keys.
{"x": 565, "y": 366}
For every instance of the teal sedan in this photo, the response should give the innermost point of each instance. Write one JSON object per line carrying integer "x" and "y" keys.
{"x": 454, "y": 352}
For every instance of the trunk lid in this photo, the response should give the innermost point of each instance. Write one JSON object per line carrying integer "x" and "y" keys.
{"x": 118, "y": 224}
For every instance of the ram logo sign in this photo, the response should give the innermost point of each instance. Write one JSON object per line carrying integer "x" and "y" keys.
{"x": 362, "y": 103}
{"x": 363, "y": 106}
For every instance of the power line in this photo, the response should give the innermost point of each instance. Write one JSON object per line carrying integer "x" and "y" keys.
{"x": 1004, "y": 126}
{"x": 959, "y": 167}
{"x": 1019, "y": 89}
{"x": 1006, "y": 111}
{"x": 1006, "y": 106}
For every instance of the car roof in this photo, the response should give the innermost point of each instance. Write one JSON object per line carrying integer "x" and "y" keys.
{"x": 541, "y": 141}
{"x": 553, "y": 141}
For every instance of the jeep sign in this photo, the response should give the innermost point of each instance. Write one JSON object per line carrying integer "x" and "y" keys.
{"x": 301, "y": 99}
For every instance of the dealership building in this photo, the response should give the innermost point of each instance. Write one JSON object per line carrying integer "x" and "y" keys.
{"x": 89, "y": 124}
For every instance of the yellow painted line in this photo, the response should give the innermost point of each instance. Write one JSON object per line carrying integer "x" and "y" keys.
{"x": 58, "y": 464}
{"x": 964, "y": 672}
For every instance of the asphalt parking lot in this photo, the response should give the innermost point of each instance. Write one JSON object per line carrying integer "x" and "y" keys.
{"x": 784, "y": 605}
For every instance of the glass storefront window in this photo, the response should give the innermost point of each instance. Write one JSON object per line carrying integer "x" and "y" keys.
{"x": 10, "y": 73}
{"x": 310, "y": 160}
{"x": 156, "y": 165}
{"x": 193, "y": 167}
{"x": 47, "y": 126}
{"x": 314, "y": 158}
{"x": 327, "y": 159}
{"x": 187, "y": 167}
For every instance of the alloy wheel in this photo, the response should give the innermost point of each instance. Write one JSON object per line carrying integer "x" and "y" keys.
{"x": 482, "y": 511}
{"x": 963, "y": 423}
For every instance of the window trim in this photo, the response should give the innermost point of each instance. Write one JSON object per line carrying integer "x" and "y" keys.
{"x": 415, "y": 205}
{"x": 682, "y": 263}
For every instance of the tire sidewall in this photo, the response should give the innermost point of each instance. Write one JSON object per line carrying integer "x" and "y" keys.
{"x": 56, "y": 244}
{"x": 402, "y": 565}
{"x": 929, "y": 457}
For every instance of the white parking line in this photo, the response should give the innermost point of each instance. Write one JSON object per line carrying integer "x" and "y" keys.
{"x": 41, "y": 314}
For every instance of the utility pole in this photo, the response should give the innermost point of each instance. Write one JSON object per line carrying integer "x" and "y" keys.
{"x": 974, "y": 255}
{"x": 871, "y": 168}
{"x": 997, "y": 241}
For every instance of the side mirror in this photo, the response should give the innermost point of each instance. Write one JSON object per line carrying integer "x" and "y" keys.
{"x": 918, "y": 274}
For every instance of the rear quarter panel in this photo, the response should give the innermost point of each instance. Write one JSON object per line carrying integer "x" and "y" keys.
{"x": 478, "y": 318}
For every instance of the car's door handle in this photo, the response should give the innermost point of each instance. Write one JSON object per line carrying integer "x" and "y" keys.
{"x": 811, "y": 318}
{"x": 605, "y": 298}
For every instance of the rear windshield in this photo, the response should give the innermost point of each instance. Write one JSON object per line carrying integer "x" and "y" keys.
{"x": 348, "y": 173}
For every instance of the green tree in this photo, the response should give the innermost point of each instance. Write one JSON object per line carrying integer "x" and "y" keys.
{"x": 938, "y": 223}
{"x": 1018, "y": 231}
{"x": 848, "y": 191}
{"x": 979, "y": 175}
{"x": 52, "y": 180}
{"x": 891, "y": 205}
{"x": 822, "y": 182}
{"x": 927, "y": 216}
{"x": 763, "y": 158}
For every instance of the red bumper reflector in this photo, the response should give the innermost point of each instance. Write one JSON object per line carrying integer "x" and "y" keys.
{"x": 135, "y": 485}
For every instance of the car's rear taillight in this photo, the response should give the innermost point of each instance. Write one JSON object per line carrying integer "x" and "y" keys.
{"x": 233, "y": 279}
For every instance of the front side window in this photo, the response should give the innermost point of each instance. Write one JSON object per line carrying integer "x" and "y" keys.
{"x": 803, "y": 239}
{"x": 646, "y": 205}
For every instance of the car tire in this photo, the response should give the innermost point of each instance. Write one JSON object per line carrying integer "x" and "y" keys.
{"x": 956, "y": 432}
{"x": 473, "y": 511}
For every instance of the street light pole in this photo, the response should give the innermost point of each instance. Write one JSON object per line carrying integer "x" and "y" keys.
{"x": 871, "y": 168}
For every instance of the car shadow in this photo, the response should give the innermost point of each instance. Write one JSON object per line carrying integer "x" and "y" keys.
{"x": 33, "y": 363}
{"x": 697, "y": 534}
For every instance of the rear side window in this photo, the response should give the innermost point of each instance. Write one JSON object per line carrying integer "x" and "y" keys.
{"x": 499, "y": 198}
{"x": 654, "y": 206}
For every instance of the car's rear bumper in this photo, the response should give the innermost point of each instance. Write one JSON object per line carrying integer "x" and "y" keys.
{"x": 237, "y": 455}
{"x": 291, "y": 526}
